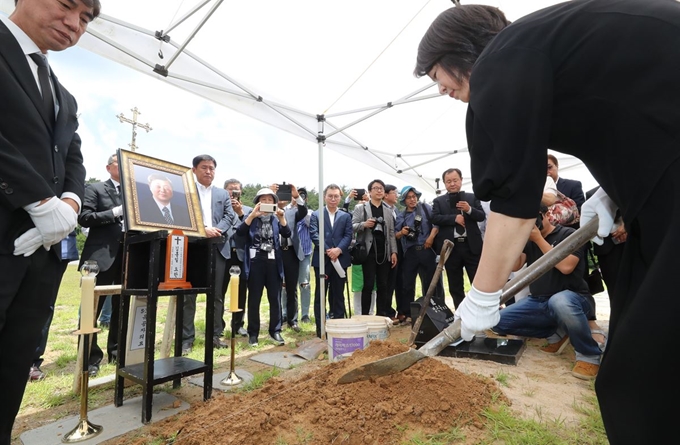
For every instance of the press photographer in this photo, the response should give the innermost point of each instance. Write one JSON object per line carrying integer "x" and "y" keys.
{"x": 376, "y": 230}
{"x": 416, "y": 234}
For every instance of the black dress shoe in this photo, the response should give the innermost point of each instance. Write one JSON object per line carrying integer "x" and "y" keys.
{"x": 93, "y": 370}
{"x": 242, "y": 332}
{"x": 294, "y": 327}
{"x": 113, "y": 357}
{"x": 252, "y": 340}
{"x": 276, "y": 338}
{"x": 187, "y": 347}
{"x": 218, "y": 343}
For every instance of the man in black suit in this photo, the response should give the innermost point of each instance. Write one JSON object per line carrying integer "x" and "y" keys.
{"x": 164, "y": 208}
{"x": 41, "y": 180}
{"x": 219, "y": 219}
{"x": 102, "y": 214}
{"x": 457, "y": 214}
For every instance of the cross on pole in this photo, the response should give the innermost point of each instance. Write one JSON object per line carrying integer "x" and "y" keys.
{"x": 135, "y": 124}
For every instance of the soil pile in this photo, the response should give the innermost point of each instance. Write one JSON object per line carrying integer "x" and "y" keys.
{"x": 428, "y": 397}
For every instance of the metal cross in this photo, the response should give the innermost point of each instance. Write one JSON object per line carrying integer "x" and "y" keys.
{"x": 135, "y": 124}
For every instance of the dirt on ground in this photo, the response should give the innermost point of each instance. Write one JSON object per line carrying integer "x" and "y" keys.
{"x": 428, "y": 397}
{"x": 306, "y": 405}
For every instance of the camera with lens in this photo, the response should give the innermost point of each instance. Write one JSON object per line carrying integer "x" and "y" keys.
{"x": 266, "y": 247}
{"x": 236, "y": 194}
{"x": 413, "y": 232}
{"x": 379, "y": 223}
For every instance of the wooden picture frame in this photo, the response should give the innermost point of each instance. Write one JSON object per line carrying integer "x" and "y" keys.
{"x": 149, "y": 185}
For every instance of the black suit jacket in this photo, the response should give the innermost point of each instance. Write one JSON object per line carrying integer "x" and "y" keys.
{"x": 445, "y": 217}
{"x": 37, "y": 159}
{"x": 572, "y": 189}
{"x": 106, "y": 230}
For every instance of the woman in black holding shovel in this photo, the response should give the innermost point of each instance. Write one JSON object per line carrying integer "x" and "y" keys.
{"x": 597, "y": 80}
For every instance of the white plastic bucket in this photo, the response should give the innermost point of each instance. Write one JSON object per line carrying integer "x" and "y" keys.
{"x": 378, "y": 327}
{"x": 345, "y": 335}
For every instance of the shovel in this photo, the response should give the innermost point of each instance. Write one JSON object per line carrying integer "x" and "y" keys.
{"x": 446, "y": 251}
{"x": 399, "y": 362}
{"x": 311, "y": 349}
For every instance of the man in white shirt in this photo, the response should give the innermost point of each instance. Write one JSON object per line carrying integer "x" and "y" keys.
{"x": 218, "y": 218}
{"x": 42, "y": 180}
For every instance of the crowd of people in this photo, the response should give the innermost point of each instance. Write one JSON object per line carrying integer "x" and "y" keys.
{"x": 591, "y": 78}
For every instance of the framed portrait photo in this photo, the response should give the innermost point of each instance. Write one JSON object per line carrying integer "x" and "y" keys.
{"x": 159, "y": 195}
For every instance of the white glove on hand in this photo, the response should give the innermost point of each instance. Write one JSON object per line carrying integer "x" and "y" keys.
{"x": 28, "y": 243}
{"x": 478, "y": 311}
{"x": 601, "y": 205}
{"x": 118, "y": 211}
{"x": 53, "y": 220}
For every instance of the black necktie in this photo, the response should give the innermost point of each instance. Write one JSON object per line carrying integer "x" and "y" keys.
{"x": 118, "y": 189}
{"x": 45, "y": 87}
{"x": 460, "y": 230}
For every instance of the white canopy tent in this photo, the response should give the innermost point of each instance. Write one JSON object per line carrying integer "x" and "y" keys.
{"x": 336, "y": 74}
{"x": 287, "y": 63}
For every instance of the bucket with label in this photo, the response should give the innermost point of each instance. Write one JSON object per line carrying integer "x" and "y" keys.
{"x": 345, "y": 335}
{"x": 378, "y": 327}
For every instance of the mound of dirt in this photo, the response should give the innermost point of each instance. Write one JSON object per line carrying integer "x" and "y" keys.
{"x": 428, "y": 397}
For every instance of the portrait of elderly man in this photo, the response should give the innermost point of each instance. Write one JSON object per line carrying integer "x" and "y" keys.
{"x": 163, "y": 207}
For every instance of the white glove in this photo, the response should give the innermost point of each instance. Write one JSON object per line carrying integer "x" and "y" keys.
{"x": 478, "y": 311}
{"x": 118, "y": 211}
{"x": 53, "y": 220}
{"x": 601, "y": 205}
{"x": 28, "y": 243}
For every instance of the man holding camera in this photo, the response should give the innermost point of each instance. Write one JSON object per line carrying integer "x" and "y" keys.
{"x": 237, "y": 244}
{"x": 558, "y": 305}
{"x": 373, "y": 222}
{"x": 295, "y": 211}
{"x": 416, "y": 234}
{"x": 457, "y": 214}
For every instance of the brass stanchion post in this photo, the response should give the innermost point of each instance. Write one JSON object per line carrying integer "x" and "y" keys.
{"x": 233, "y": 379}
{"x": 85, "y": 429}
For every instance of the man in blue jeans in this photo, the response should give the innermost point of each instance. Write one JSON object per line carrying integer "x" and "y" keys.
{"x": 558, "y": 306}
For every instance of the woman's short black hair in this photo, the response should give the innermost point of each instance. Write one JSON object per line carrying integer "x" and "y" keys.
{"x": 457, "y": 37}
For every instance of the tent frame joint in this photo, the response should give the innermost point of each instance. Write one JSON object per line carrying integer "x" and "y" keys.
{"x": 163, "y": 37}
{"x": 161, "y": 69}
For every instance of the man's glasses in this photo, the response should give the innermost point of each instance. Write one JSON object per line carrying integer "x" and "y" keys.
{"x": 377, "y": 189}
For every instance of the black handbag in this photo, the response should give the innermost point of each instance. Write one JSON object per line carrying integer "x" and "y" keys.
{"x": 358, "y": 250}
{"x": 594, "y": 278}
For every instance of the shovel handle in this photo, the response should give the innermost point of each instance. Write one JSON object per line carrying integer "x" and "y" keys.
{"x": 443, "y": 256}
{"x": 577, "y": 239}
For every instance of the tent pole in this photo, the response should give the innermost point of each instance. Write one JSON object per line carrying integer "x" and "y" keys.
{"x": 321, "y": 140}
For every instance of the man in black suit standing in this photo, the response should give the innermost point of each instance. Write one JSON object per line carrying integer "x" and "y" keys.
{"x": 41, "y": 180}
{"x": 165, "y": 208}
{"x": 102, "y": 214}
{"x": 457, "y": 214}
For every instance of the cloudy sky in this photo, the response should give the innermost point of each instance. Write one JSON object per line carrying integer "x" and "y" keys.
{"x": 316, "y": 56}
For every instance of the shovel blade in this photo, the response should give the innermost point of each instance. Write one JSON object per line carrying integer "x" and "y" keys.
{"x": 386, "y": 366}
{"x": 312, "y": 349}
